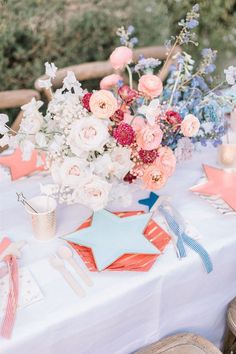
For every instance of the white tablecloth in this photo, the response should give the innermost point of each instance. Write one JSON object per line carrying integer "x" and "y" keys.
{"x": 124, "y": 310}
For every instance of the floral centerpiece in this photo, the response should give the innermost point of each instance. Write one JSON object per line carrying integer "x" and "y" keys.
{"x": 96, "y": 141}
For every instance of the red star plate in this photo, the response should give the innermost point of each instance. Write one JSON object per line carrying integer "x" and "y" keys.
{"x": 18, "y": 167}
{"x": 221, "y": 183}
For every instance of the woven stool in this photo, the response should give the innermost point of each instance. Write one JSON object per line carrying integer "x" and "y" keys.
{"x": 230, "y": 337}
{"x": 186, "y": 343}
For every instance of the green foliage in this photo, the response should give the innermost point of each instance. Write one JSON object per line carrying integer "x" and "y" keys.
{"x": 75, "y": 31}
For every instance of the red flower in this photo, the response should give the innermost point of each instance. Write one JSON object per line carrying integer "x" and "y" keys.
{"x": 118, "y": 116}
{"x": 129, "y": 177}
{"x": 173, "y": 118}
{"x": 85, "y": 101}
{"x": 124, "y": 134}
{"x": 148, "y": 156}
{"x": 127, "y": 94}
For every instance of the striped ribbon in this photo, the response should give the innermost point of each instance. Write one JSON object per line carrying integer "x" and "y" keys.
{"x": 13, "y": 293}
{"x": 182, "y": 238}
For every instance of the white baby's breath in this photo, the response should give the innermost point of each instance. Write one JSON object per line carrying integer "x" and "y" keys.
{"x": 50, "y": 70}
{"x": 27, "y": 148}
{"x": 84, "y": 159}
{"x": 32, "y": 107}
{"x": 3, "y": 121}
{"x": 70, "y": 82}
{"x": 41, "y": 140}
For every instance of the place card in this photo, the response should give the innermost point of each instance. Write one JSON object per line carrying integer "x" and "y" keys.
{"x": 29, "y": 291}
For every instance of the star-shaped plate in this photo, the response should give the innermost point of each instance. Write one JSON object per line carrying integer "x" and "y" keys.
{"x": 18, "y": 167}
{"x": 220, "y": 183}
{"x": 110, "y": 237}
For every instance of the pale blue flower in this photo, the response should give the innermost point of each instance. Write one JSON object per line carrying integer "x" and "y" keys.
{"x": 192, "y": 23}
{"x": 130, "y": 29}
{"x": 208, "y": 52}
{"x": 134, "y": 40}
{"x": 146, "y": 63}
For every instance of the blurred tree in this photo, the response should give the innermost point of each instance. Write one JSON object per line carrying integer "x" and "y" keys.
{"x": 74, "y": 31}
{"x": 216, "y": 25}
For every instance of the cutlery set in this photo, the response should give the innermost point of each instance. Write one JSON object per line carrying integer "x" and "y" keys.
{"x": 64, "y": 253}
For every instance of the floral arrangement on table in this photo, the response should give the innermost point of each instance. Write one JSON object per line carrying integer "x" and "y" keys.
{"x": 94, "y": 141}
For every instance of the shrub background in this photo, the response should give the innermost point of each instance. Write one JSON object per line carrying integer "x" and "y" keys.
{"x": 75, "y": 31}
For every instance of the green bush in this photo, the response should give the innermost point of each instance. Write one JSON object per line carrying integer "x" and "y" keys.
{"x": 216, "y": 26}
{"x": 75, "y": 31}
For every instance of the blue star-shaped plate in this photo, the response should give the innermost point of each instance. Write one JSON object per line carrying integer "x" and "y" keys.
{"x": 110, "y": 237}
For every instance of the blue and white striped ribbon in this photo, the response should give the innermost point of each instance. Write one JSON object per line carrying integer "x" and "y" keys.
{"x": 183, "y": 238}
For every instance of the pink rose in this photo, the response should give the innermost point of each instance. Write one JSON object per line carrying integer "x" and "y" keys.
{"x": 166, "y": 160}
{"x": 103, "y": 104}
{"x": 109, "y": 81}
{"x": 137, "y": 122}
{"x": 150, "y": 85}
{"x": 190, "y": 125}
{"x": 120, "y": 57}
{"x": 154, "y": 178}
{"x": 149, "y": 137}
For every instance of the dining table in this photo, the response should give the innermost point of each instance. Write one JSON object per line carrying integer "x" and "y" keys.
{"x": 124, "y": 310}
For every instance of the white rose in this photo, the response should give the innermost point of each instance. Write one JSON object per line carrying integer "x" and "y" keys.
{"x": 94, "y": 193}
{"x": 73, "y": 172}
{"x": 103, "y": 165}
{"x": 87, "y": 134}
{"x": 121, "y": 161}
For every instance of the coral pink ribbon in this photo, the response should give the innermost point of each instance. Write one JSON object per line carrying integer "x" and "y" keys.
{"x": 10, "y": 314}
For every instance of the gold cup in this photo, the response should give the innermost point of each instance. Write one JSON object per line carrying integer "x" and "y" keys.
{"x": 227, "y": 155}
{"x": 44, "y": 221}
